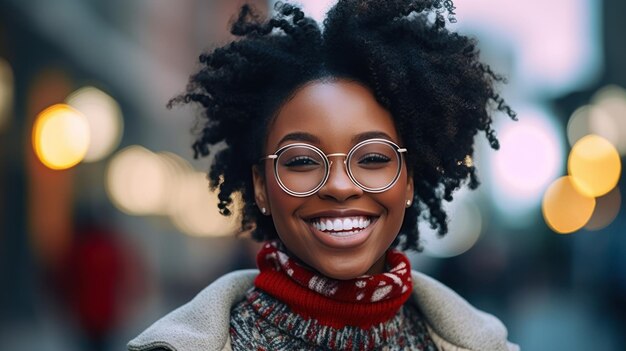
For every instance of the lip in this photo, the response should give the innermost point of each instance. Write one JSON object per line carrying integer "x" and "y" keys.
{"x": 344, "y": 241}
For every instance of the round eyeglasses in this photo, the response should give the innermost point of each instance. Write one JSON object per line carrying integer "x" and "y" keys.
{"x": 374, "y": 165}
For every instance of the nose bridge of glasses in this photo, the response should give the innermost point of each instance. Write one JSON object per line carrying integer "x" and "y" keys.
{"x": 336, "y": 154}
{"x": 342, "y": 178}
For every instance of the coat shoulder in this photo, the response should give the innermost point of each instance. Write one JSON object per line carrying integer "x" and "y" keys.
{"x": 203, "y": 322}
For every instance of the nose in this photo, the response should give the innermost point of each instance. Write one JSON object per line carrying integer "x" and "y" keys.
{"x": 339, "y": 186}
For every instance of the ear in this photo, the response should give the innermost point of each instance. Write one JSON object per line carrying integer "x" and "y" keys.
{"x": 260, "y": 191}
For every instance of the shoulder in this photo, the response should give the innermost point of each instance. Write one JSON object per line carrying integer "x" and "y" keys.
{"x": 454, "y": 323}
{"x": 203, "y": 322}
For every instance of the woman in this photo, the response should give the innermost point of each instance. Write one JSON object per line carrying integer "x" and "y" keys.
{"x": 337, "y": 141}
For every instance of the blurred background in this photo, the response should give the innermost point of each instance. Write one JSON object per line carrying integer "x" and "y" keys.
{"x": 106, "y": 221}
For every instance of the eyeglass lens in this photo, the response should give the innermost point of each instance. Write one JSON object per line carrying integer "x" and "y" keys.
{"x": 372, "y": 166}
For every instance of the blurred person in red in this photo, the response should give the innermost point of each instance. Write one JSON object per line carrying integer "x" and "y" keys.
{"x": 101, "y": 279}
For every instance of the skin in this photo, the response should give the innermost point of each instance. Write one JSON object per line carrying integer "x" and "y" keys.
{"x": 333, "y": 116}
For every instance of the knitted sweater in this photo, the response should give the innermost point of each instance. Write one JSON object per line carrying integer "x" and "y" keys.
{"x": 261, "y": 322}
{"x": 204, "y": 322}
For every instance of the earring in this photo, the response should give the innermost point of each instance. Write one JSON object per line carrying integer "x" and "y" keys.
{"x": 263, "y": 210}
{"x": 408, "y": 203}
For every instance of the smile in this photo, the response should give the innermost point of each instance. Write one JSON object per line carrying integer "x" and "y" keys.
{"x": 341, "y": 226}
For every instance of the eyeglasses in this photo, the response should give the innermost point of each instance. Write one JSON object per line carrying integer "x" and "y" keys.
{"x": 374, "y": 165}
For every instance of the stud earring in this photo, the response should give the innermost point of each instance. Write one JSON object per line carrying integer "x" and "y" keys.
{"x": 408, "y": 203}
{"x": 263, "y": 210}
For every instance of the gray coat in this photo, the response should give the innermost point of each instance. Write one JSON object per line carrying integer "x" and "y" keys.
{"x": 203, "y": 323}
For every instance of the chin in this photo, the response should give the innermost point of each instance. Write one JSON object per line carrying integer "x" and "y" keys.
{"x": 343, "y": 273}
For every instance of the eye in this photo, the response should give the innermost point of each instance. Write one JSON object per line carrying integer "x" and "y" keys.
{"x": 301, "y": 162}
{"x": 373, "y": 159}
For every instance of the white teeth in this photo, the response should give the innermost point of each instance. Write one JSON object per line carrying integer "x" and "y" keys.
{"x": 329, "y": 225}
{"x": 337, "y": 225}
{"x": 346, "y": 225}
{"x": 344, "y": 233}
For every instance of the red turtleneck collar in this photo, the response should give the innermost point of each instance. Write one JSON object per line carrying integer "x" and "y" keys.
{"x": 361, "y": 302}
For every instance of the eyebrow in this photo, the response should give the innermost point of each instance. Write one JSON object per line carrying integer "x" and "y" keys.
{"x": 371, "y": 135}
{"x": 300, "y": 136}
{"x": 310, "y": 138}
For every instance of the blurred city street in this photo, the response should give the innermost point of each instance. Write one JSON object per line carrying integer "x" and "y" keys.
{"x": 107, "y": 221}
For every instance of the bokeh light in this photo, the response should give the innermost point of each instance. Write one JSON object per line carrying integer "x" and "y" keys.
{"x": 6, "y": 92}
{"x": 176, "y": 168}
{"x": 590, "y": 119}
{"x": 594, "y": 165}
{"x": 557, "y": 52}
{"x": 136, "y": 181}
{"x": 60, "y": 136}
{"x": 528, "y": 160}
{"x": 612, "y": 101}
{"x": 464, "y": 229}
{"x": 607, "y": 208}
{"x": 140, "y": 182}
{"x": 105, "y": 120}
{"x": 565, "y": 210}
{"x": 196, "y": 211}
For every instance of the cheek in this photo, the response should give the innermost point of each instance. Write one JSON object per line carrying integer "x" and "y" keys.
{"x": 394, "y": 200}
{"x": 282, "y": 205}
{"x": 396, "y": 204}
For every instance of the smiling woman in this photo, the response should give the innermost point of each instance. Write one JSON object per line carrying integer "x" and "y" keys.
{"x": 338, "y": 141}
{"x": 334, "y": 115}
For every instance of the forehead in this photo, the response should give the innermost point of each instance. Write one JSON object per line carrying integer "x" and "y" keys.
{"x": 334, "y": 113}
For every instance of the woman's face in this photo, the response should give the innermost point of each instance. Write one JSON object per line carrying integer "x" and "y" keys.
{"x": 334, "y": 116}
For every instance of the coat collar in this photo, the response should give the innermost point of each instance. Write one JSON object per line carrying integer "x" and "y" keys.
{"x": 203, "y": 323}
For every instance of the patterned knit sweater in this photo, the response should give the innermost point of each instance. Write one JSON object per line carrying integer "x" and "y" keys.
{"x": 261, "y": 322}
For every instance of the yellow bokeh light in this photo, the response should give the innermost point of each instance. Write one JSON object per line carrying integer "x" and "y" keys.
{"x": 565, "y": 210}
{"x": 196, "y": 211}
{"x": 60, "y": 136}
{"x": 105, "y": 119}
{"x": 136, "y": 181}
{"x": 141, "y": 182}
{"x": 594, "y": 165}
{"x": 177, "y": 169}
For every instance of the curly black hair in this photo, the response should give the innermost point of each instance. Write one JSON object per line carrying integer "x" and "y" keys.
{"x": 429, "y": 78}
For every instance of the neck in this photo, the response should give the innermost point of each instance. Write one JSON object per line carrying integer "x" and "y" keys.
{"x": 378, "y": 267}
